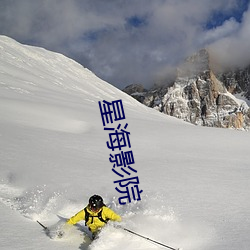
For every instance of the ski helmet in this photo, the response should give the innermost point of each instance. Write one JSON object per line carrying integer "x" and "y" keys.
{"x": 96, "y": 202}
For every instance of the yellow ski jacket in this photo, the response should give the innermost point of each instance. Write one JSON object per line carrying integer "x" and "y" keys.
{"x": 94, "y": 223}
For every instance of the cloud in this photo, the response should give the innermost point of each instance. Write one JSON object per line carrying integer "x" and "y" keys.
{"x": 125, "y": 42}
{"x": 228, "y": 28}
{"x": 233, "y": 49}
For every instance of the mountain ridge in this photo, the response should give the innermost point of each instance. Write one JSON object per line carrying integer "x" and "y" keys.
{"x": 201, "y": 95}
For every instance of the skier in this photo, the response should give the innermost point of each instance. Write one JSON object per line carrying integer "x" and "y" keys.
{"x": 95, "y": 214}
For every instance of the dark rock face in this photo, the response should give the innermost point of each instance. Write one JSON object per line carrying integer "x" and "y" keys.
{"x": 199, "y": 96}
{"x": 137, "y": 91}
{"x": 237, "y": 81}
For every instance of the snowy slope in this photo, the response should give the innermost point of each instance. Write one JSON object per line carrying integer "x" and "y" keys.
{"x": 195, "y": 180}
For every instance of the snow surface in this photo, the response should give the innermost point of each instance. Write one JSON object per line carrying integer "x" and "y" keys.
{"x": 195, "y": 180}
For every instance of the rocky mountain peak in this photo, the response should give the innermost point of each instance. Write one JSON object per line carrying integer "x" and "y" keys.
{"x": 200, "y": 96}
{"x": 196, "y": 64}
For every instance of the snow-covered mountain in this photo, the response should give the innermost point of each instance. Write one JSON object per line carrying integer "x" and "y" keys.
{"x": 201, "y": 96}
{"x": 195, "y": 180}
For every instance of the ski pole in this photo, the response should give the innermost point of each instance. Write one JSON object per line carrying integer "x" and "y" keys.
{"x": 159, "y": 243}
{"x": 45, "y": 228}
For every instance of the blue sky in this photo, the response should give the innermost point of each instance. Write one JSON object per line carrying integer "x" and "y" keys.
{"x": 218, "y": 17}
{"x": 132, "y": 41}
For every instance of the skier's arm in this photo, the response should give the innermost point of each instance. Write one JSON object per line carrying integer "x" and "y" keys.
{"x": 77, "y": 217}
{"x": 110, "y": 214}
